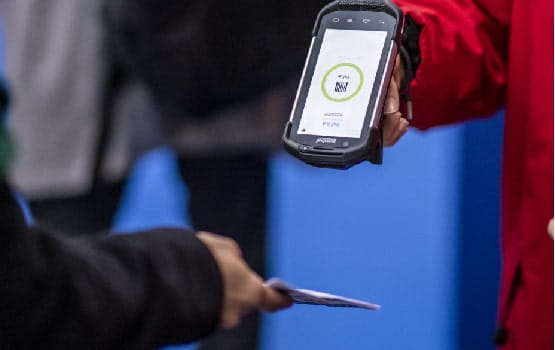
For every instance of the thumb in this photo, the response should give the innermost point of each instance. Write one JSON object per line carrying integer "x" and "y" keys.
{"x": 274, "y": 300}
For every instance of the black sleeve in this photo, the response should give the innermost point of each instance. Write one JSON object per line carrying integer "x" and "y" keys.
{"x": 115, "y": 292}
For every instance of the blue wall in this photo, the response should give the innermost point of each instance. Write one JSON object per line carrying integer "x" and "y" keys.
{"x": 386, "y": 234}
{"x": 479, "y": 256}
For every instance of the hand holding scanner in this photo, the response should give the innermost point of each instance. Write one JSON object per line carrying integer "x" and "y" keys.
{"x": 337, "y": 115}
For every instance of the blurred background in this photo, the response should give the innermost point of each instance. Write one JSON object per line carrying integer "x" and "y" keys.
{"x": 417, "y": 235}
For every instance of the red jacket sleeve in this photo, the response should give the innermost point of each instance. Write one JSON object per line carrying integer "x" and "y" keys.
{"x": 463, "y": 45}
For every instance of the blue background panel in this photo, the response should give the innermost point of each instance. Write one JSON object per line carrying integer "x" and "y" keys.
{"x": 385, "y": 234}
{"x": 479, "y": 243}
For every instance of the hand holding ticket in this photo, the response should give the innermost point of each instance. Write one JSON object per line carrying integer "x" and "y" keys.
{"x": 305, "y": 296}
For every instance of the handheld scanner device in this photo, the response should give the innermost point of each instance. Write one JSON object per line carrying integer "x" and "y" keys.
{"x": 337, "y": 115}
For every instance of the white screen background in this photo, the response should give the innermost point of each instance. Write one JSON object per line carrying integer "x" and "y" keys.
{"x": 353, "y": 53}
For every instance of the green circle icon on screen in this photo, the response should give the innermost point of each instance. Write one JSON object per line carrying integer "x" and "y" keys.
{"x": 342, "y": 82}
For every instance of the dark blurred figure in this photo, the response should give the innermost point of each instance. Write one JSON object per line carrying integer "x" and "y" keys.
{"x": 223, "y": 76}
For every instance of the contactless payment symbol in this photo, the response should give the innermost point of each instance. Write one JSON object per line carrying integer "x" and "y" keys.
{"x": 342, "y": 82}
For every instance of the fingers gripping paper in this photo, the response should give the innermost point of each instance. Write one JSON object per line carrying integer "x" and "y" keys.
{"x": 305, "y": 296}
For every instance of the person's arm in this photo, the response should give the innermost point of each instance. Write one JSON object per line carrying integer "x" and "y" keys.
{"x": 463, "y": 47}
{"x": 128, "y": 292}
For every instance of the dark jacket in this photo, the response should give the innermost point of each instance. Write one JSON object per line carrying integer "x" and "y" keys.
{"x": 113, "y": 292}
{"x": 200, "y": 56}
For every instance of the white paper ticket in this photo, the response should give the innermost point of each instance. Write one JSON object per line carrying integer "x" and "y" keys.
{"x": 306, "y": 296}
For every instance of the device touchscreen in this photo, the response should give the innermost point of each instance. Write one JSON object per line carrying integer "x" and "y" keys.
{"x": 341, "y": 86}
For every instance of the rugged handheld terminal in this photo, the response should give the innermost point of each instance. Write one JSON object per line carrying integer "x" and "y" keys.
{"x": 337, "y": 115}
